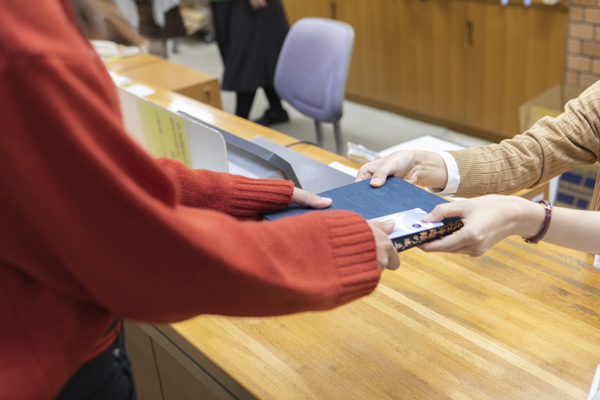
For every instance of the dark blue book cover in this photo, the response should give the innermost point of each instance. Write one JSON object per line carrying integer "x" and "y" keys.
{"x": 396, "y": 196}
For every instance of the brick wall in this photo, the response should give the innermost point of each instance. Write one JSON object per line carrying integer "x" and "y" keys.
{"x": 583, "y": 43}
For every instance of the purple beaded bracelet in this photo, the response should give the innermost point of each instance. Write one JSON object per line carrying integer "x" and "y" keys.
{"x": 548, "y": 207}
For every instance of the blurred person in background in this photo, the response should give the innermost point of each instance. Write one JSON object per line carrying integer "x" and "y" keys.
{"x": 250, "y": 34}
{"x": 155, "y": 20}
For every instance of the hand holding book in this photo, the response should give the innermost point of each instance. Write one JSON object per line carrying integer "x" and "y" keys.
{"x": 487, "y": 220}
{"x": 423, "y": 168}
{"x": 309, "y": 199}
{"x": 387, "y": 258}
{"x": 395, "y": 196}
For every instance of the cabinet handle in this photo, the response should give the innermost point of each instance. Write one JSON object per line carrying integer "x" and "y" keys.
{"x": 469, "y": 34}
{"x": 333, "y": 6}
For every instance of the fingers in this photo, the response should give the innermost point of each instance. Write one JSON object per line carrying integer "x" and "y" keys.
{"x": 446, "y": 244}
{"x": 366, "y": 171}
{"x": 450, "y": 243}
{"x": 377, "y": 170}
{"x": 387, "y": 168}
{"x": 469, "y": 249}
{"x": 393, "y": 259}
{"x": 399, "y": 164}
{"x": 468, "y": 240}
{"x": 385, "y": 226}
{"x": 387, "y": 256}
{"x": 445, "y": 210}
{"x": 308, "y": 199}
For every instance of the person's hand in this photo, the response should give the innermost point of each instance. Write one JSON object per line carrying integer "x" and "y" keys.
{"x": 387, "y": 256}
{"x": 423, "y": 168}
{"x": 308, "y": 199}
{"x": 486, "y": 221}
{"x": 258, "y": 4}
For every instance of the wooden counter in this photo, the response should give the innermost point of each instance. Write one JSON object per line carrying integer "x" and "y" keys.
{"x": 165, "y": 74}
{"x": 120, "y": 65}
{"x": 520, "y": 322}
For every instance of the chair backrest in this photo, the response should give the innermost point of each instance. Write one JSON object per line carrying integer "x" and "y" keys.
{"x": 312, "y": 67}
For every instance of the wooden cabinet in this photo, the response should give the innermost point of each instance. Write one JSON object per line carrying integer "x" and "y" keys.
{"x": 465, "y": 64}
{"x": 164, "y": 371}
{"x": 516, "y": 54}
{"x": 158, "y": 71}
{"x": 296, "y": 9}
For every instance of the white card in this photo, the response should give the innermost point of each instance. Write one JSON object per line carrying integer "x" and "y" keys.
{"x": 408, "y": 222}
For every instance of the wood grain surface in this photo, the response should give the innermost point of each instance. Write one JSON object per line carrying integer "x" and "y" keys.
{"x": 165, "y": 74}
{"x": 521, "y": 322}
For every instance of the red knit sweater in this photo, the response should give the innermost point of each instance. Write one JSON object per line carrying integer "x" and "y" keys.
{"x": 92, "y": 228}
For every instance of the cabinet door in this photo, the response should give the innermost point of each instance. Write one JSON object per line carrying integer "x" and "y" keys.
{"x": 297, "y": 9}
{"x": 140, "y": 350}
{"x": 409, "y": 54}
{"x": 516, "y": 54}
{"x": 375, "y": 69}
{"x": 441, "y": 46}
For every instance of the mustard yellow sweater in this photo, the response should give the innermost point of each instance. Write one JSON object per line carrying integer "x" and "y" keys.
{"x": 552, "y": 146}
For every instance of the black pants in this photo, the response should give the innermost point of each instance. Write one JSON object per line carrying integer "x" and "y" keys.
{"x": 244, "y": 101}
{"x": 107, "y": 376}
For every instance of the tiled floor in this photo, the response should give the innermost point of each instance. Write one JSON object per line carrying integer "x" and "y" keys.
{"x": 373, "y": 128}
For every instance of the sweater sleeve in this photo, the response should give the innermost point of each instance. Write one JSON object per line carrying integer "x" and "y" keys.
{"x": 88, "y": 214}
{"x": 232, "y": 194}
{"x": 552, "y": 146}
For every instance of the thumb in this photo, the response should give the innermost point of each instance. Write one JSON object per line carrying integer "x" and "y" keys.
{"x": 386, "y": 226}
{"x": 379, "y": 178}
{"x": 366, "y": 171}
{"x": 384, "y": 170}
{"x": 442, "y": 211}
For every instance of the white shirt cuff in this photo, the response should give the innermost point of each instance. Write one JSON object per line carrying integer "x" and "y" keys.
{"x": 453, "y": 176}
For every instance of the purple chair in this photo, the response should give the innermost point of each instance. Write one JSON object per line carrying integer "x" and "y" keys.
{"x": 312, "y": 70}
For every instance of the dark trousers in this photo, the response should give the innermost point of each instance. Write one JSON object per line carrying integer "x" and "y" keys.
{"x": 245, "y": 100}
{"x": 107, "y": 376}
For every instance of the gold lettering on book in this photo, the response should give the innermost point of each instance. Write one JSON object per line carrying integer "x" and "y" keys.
{"x": 427, "y": 236}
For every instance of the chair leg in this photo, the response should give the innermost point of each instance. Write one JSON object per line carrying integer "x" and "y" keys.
{"x": 319, "y": 132}
{"x": 338, "y": 138}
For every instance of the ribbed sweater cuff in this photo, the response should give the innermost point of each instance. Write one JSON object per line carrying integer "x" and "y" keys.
{"x": 354, "y": 253}
{"x": 252, "y": 196}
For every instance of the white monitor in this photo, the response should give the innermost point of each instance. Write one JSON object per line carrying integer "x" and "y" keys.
{"x": 164, "y": 133}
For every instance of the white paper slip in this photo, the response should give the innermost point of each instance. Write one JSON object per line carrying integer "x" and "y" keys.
{"x": 344, "y": 168}
{"x": 140, "y": 90}
{"x": 119, "y": 80}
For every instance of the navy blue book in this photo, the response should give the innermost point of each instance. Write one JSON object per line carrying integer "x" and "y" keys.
{"x": 399, "y": 200}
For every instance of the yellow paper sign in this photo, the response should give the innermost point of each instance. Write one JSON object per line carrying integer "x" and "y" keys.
{"x": 164, "y": 132}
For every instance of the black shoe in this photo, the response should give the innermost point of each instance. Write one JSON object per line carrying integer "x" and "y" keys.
{"x": 271, "y": 117}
